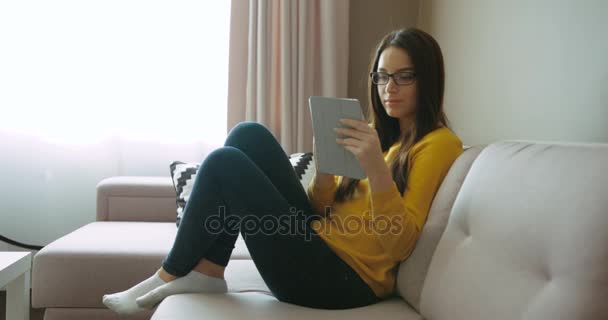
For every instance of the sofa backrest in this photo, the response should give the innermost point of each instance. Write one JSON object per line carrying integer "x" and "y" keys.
{"x": 412, "y": 272}
{"x": 527, "y": 237}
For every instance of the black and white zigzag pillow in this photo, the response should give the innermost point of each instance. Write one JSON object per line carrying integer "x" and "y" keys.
{"x": 304, "y": 165}
{"x": 183, "y": 175}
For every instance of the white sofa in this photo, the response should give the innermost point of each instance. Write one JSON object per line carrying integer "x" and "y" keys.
{"x": 517, "y": 230}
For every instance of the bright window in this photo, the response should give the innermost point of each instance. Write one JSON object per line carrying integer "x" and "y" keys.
{"x": 78, "y": 72}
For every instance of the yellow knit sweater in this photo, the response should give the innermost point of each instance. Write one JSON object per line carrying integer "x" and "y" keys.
{"x": 375, "y": 231}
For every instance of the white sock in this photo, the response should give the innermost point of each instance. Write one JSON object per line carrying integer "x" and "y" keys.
{"x": 124, "y": 302}
{"x": 193, "y": 282}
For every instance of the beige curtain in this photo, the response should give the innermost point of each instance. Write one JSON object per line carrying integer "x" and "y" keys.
{"x": 281, "y": 53}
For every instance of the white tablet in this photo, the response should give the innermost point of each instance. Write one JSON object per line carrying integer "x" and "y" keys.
{"x": 330, "y": 156}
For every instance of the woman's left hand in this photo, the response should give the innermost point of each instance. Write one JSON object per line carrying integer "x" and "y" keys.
{"x": 363, "y": 142}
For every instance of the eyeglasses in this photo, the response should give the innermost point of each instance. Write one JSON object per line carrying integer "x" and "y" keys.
{"x": 402, "y": 78}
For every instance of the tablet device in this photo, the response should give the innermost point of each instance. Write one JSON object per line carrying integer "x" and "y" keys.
{"x": 330, "y": 156}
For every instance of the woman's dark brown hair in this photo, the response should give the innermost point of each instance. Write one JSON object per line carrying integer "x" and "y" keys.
{"x": 425, "y": 54}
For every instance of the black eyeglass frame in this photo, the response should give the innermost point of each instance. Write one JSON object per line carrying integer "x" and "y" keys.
{"x": 392, "y": 75}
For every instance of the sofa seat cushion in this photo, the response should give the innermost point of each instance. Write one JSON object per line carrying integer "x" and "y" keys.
{"x": 251, "y": 305}
{"x": 102, "y": 257}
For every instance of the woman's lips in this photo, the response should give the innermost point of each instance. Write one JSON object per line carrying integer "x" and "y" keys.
{"x": 392, "y": 101}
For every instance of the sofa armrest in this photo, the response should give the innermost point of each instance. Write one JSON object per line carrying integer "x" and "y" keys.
{"x": 127, "y": 198}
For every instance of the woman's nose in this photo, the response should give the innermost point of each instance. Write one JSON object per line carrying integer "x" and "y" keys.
{"x": 391, "y": 86}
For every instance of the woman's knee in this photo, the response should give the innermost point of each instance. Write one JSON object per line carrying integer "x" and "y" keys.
{"x": 224, "y": 156}
{"x": 247, "y": 131}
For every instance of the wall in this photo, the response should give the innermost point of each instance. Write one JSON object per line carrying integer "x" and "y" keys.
{"x": 369, "y": 22}
{"x": 534, "y": 70}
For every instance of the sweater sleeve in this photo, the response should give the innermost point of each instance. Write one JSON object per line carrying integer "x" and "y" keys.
{"x": 398, "y": 220}
{"x": 321, "y": 197}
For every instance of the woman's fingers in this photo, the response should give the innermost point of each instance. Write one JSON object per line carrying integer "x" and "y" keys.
{"x": 347, "y": 132}
{"x": 348, "y": 142}
{"x": 357, "y": 124}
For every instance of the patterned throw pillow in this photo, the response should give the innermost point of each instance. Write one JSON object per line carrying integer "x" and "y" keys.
{"x": 183, "y": 175}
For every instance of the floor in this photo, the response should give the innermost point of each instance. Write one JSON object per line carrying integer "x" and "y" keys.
{"x": 35, "y": 314}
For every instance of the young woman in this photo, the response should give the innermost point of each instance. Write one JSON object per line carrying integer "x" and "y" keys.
{"x": 337, "y": 244}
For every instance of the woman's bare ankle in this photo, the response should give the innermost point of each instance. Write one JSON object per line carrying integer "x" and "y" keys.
{"x": 209, "y": 268}
{"x": 165, "y": 276}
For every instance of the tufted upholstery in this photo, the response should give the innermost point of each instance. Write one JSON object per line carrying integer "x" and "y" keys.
{"x": 527, "y": 237}
{"x": 412, "y": 271}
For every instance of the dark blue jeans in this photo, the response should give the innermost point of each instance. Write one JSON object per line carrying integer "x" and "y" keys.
{"x": 249, "y": 186}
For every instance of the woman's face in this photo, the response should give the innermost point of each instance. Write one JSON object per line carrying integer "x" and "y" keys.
{"x": 399, "y": 101}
